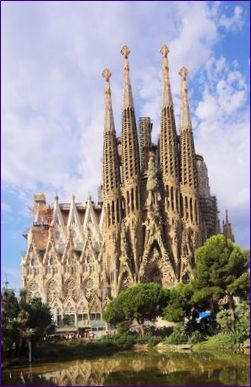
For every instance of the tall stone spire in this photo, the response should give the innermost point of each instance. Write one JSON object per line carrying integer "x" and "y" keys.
{"x": 111, "y": 195}
{"x": 109, "y": 120}
{"x": 168, "y": 137}
{"x": 129, "y": 140}
{"x": 189, "y": 197}
{"x": 166, "y": 95}
{"x": 111, "y": 173}
{"x": 228, "y": 229}
{"x": 188, "y": 160}
{"x": 185, "y": 112}
{"x": 169, "y": 163}
{"x": 130, "y": 167}
{"x": 128, "y": 99}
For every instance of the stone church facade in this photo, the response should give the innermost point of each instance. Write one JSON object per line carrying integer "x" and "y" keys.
{"x": 154, "y": 210}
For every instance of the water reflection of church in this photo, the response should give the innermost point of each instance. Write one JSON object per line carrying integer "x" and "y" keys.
{"x": 154, "y": 209}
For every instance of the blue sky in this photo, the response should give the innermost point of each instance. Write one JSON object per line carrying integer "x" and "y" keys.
{"x": 53, "y": 54}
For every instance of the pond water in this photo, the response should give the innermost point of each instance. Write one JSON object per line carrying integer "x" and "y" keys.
{"x": 145, "y": 368}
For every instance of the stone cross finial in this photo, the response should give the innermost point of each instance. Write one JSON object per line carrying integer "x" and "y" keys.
{"x": 125, "y": 51}
{"x": 164, "y": 50}
{"x": 106, "y": 73}
{"x": 183, "y": 72}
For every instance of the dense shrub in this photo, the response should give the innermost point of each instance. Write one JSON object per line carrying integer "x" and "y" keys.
{"x": 242, "y": 323}
{"x": 225, "y": 318}
{"x": 236, "y": 322}
{"x": 195, "y": 337}
{"x": 150, "y": 340}
{"x": 122, "y": 341}
{"x": 158, "y": 332}
{"x": 178, "y": 336}
{"x": 221, "y": 341}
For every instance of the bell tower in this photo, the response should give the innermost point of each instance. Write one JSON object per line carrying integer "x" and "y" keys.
{"x": 191, "y": 233}
{"x": 111, "y": 195}
{"x": 169, "y": 162}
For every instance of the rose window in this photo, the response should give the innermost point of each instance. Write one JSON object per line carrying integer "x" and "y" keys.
{"x": 33, "y": 286}
{"x": 89, "y": 283}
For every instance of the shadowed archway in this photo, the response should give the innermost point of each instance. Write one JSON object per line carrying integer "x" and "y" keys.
{"x": 152, "y": 271}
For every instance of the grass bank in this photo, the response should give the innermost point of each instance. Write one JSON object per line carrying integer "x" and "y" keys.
{"x": 71, "y": 350}
{"x": 75, "y": 349}
{"x": 221, "y": 342}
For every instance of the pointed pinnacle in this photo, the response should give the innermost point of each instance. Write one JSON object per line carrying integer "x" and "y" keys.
{"x": 106, "y": 73}
{"x": 183, "y": 72}
{"x": 125, "y": 51}
{"x": 166, "y": 94}
{"x": 164, "y": 50}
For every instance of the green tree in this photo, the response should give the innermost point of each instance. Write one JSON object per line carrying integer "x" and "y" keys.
{"x": 10, "y": 306}
{"x": 221, "y": 272}
{"x": 140, "y": 302}
{"x": 240, "y": 287}
{"x": 39, "y": 320}
{"x": 178, "y": 336}
{"x": 240, "y": 326}
{"x": 242, "y": 322}
{"x": 179, "y": 303}
{"x": 25, "y": 332}
{"x": 9, "y": 312}
{"x": 219, "y": 264}
{"x": 23, "y": 322}
{"x": 225, "y": 320}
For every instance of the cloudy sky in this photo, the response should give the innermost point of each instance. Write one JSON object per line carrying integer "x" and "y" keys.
{"x": 53, "y": 54}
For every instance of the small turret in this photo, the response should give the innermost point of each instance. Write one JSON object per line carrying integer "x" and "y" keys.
{"x": 168, "y": 136}
{"x": 169, "y": 165}
{"x": 188, "y": 160}
{"x": 128, "y": 98}
{"x": 129, "y": 141}
{"x": 227, "y": 228}
{"x": 166, "y": 93}
{"x": 111, "y": 172}
{"x": 189, "y": 197}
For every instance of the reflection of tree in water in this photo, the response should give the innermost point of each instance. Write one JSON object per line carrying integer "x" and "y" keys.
{"x": 233, "y": 376}
{"x": 178, "y": 378}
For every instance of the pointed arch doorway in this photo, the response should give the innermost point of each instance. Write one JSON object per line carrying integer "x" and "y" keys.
{"x": 152, "y": 271}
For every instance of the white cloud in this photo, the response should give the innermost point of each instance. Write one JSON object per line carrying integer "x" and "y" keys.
{"x": 53, "y": 110}
{"x": 223, "y": 133}
{"x": 207, "y": 109}
{"x": 233, "y": 22}
{"x": 53, "y": 90}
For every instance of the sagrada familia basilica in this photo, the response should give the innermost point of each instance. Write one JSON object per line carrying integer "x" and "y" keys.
{"x": 154, "y": 210}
